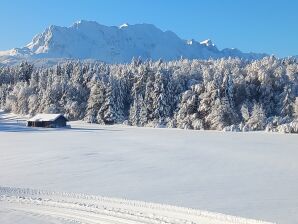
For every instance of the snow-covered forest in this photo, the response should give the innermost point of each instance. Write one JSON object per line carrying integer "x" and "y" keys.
{"x": 225, "y": 94}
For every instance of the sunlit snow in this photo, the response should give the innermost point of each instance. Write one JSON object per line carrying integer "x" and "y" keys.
{"x": 252, "y": 175}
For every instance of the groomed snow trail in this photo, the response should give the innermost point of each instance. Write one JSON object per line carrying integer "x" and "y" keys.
{"x": 88, "y": 209}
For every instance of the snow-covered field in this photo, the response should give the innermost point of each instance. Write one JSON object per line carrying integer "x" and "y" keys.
{"x": 35, "y": 206}
{"x": 252, "y": 175}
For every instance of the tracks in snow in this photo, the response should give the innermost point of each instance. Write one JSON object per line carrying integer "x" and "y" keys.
{"x": 88, "y": 209}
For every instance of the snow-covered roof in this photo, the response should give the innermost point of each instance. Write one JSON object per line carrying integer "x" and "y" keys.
{"x": 45, "y": 117}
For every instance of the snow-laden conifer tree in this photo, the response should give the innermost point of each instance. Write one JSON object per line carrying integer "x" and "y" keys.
{"x": 95, "y": 100}
{"x": 257, "y": 119}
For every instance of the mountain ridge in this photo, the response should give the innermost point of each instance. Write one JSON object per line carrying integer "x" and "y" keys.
{"x": 112, "y": 44}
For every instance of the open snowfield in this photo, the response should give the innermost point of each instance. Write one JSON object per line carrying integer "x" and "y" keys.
{"x": 35, "y": 206}
{"x": 252, "y": 175}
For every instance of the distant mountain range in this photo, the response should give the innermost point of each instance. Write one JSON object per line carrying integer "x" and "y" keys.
{"x": 111, "y": 44}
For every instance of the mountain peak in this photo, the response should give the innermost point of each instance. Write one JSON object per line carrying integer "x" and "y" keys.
{"x": 207, "y": 43}
{"x": 85, "y": 22}
{"x": 124, "y": 25}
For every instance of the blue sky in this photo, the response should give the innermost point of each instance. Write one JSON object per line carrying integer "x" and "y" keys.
{"x": 253, "y": 25}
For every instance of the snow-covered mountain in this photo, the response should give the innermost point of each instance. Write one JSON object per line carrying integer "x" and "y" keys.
{"x": 90, "y": 40}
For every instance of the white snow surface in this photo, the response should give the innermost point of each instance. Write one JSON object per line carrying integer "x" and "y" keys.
{"x": 80, "y": 208}
{"x": 112, "y": 44}
{"x": 252, "y": 175}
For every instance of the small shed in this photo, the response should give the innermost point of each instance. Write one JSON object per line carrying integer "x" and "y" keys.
{"x": 47, "y": 121}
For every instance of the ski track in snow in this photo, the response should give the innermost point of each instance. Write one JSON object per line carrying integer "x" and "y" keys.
{"x": 88, "y": 209}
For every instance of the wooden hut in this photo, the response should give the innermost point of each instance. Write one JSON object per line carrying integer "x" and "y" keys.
{"x": 47, "y": 121}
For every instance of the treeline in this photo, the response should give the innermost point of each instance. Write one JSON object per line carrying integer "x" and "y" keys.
{"x": 226, "y": 94}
